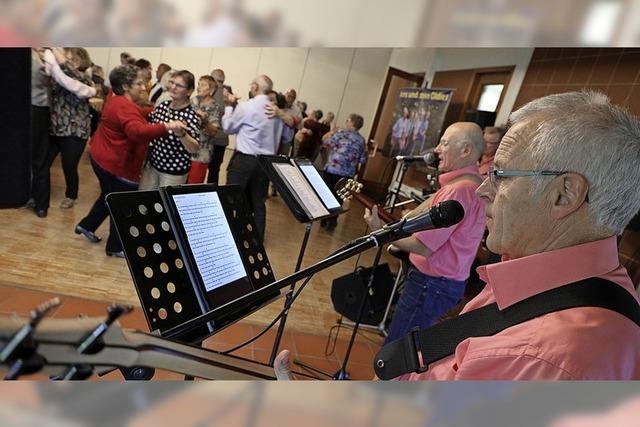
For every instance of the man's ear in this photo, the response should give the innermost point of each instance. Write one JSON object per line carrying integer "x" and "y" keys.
{"x": 467, "y": 149}
{"x": 570, "y": 191}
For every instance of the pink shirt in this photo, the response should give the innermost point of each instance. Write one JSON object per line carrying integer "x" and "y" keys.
{"x": 454, "y": 248}
{"x": 584, "y": 343}
{"x": 485, "y": 164}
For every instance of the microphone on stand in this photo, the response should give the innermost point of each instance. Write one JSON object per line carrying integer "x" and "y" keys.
{"x": 430, "y": 158}
{"x": 444, "y": 214}
{"x": 411, "y": 159}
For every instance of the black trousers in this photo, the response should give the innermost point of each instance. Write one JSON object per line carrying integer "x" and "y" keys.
{"x": 71, "y": 149}
{"x": 40, "y": 181}
{"x": 217, "y": 156}
{"x": 109, "y": 183}
{"x": 244, "y": 170}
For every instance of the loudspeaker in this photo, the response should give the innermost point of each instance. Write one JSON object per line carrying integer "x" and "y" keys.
{"x": 348, "y": 291}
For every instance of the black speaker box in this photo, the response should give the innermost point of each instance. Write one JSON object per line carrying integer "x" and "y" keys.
{"x": 347, "y": 293}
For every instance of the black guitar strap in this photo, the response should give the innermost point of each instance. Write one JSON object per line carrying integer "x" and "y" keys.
{"x": 419, "y": 348}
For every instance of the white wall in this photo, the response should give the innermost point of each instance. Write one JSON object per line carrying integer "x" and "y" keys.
{"x": 342, "y": 80}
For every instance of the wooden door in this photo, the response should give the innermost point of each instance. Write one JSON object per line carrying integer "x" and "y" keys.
{"x": 378, "y": 172}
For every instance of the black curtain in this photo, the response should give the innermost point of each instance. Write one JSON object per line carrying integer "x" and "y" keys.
{"x": 15, "y": 151}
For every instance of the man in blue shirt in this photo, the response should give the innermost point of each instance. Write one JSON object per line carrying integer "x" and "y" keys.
{"x": 257, "y": 133}
{"x": 346, "y": 151}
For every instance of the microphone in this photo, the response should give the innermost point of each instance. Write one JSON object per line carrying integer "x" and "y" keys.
{"x": 430, "y": 158}
{"x": 444, "y": 214}
{"x": 411, "y": 159}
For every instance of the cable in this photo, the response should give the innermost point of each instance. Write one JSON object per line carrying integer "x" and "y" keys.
{"x": 293, "y": 298}
{"x": 273, "y": 322}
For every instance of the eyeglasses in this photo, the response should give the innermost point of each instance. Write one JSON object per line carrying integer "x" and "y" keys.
{"x": 181, "y": 86}
{"x": 496, "y": 175}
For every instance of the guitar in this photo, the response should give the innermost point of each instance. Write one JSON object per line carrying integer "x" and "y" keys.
{"x": 348, "y": 189}
{"x": 76, "y": 348}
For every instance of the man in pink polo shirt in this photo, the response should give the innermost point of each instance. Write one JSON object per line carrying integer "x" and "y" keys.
{"x": 441, "y": 259}
{"x": 564, "y": 184}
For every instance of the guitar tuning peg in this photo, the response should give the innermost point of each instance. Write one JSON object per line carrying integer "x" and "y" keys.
{"x": 20, "y": 351}
{"x": 92, "y": 342}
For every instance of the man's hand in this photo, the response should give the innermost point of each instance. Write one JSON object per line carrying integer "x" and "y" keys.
{"x": 372, "y": 219}
{"x": 58, "y": 52}
{"x": 272, "y": 110}
{"x": 231, "y": 100}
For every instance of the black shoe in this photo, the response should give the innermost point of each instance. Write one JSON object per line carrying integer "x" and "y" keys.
{"x": 41, "y": 213}
{"x": 88, "y": 234}
{"x": 119, "y": 254}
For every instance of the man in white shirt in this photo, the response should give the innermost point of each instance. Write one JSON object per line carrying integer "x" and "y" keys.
{"x": 256, "y": 134}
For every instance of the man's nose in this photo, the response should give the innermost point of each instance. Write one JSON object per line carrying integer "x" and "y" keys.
{"x": 486, "y": 191}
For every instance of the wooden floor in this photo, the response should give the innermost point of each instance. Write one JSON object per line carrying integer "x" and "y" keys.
{"x": 45, "y": 254}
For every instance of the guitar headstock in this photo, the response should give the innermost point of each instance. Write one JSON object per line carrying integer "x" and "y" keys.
{"x": 346, "y": 188}
{"x": 73, "y": 349}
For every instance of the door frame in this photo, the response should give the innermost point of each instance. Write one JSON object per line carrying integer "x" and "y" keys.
{"x": 391, "y": 72}
{"x": 472, "y": 93}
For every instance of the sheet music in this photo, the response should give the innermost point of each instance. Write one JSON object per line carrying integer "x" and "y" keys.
{"x": 320, "y": 186}
{"x": 299, "y": 185}
{"x": 210, "y": 239}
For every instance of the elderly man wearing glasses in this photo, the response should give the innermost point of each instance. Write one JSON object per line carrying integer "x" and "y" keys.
{"x": 555, "y": 202}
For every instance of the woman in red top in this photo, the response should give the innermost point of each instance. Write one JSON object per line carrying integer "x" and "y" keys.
{"x": 118, "y": 148}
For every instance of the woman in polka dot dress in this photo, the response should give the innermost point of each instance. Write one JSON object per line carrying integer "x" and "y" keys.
{"x": 169, "y": 157}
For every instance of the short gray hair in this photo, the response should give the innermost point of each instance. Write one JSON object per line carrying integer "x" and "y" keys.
{"x": 218, "y": 75}
{"x": 583, "y": 132}
{"x": 122, "y": 75}
{"x": 265, "y": 84}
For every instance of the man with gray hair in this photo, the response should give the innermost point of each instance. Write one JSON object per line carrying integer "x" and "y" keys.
{"x": 256, "y": 134}
{"x": 441, "y": 258}
{"x": 565, "y": 182}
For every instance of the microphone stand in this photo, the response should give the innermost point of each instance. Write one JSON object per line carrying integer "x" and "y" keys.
{"x": 342, "y": 373}
{"x": 399, "y": 179}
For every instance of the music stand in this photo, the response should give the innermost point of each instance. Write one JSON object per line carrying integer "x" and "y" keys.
{"x": 160, "y": 269}
{"x": 304, "y": 193}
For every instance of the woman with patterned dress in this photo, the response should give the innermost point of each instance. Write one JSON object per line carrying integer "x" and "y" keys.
{"x": 70, "y": 121}
{"x": 169, "y": 156}
{"x": 208, "y": 110}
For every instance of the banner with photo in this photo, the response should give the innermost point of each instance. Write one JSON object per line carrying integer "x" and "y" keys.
{"x": 417, "y": 121}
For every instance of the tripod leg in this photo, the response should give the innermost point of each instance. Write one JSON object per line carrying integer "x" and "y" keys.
{"x": 382, "y": 326}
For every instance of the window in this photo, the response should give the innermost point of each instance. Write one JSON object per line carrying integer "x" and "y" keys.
{"x": 489, "y": 97}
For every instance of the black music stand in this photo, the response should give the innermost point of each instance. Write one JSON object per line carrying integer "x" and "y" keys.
{"x": 157, "y": 264}
{"x": 302, "y": 213}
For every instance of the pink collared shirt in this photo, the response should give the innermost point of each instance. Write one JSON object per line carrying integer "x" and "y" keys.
{"x": 585, "y": 343}
{"x": 454, "y": 248}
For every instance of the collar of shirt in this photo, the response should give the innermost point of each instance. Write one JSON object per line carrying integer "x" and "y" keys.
{"x": 515, "y": 280}
{"x": 447, "y": 177}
